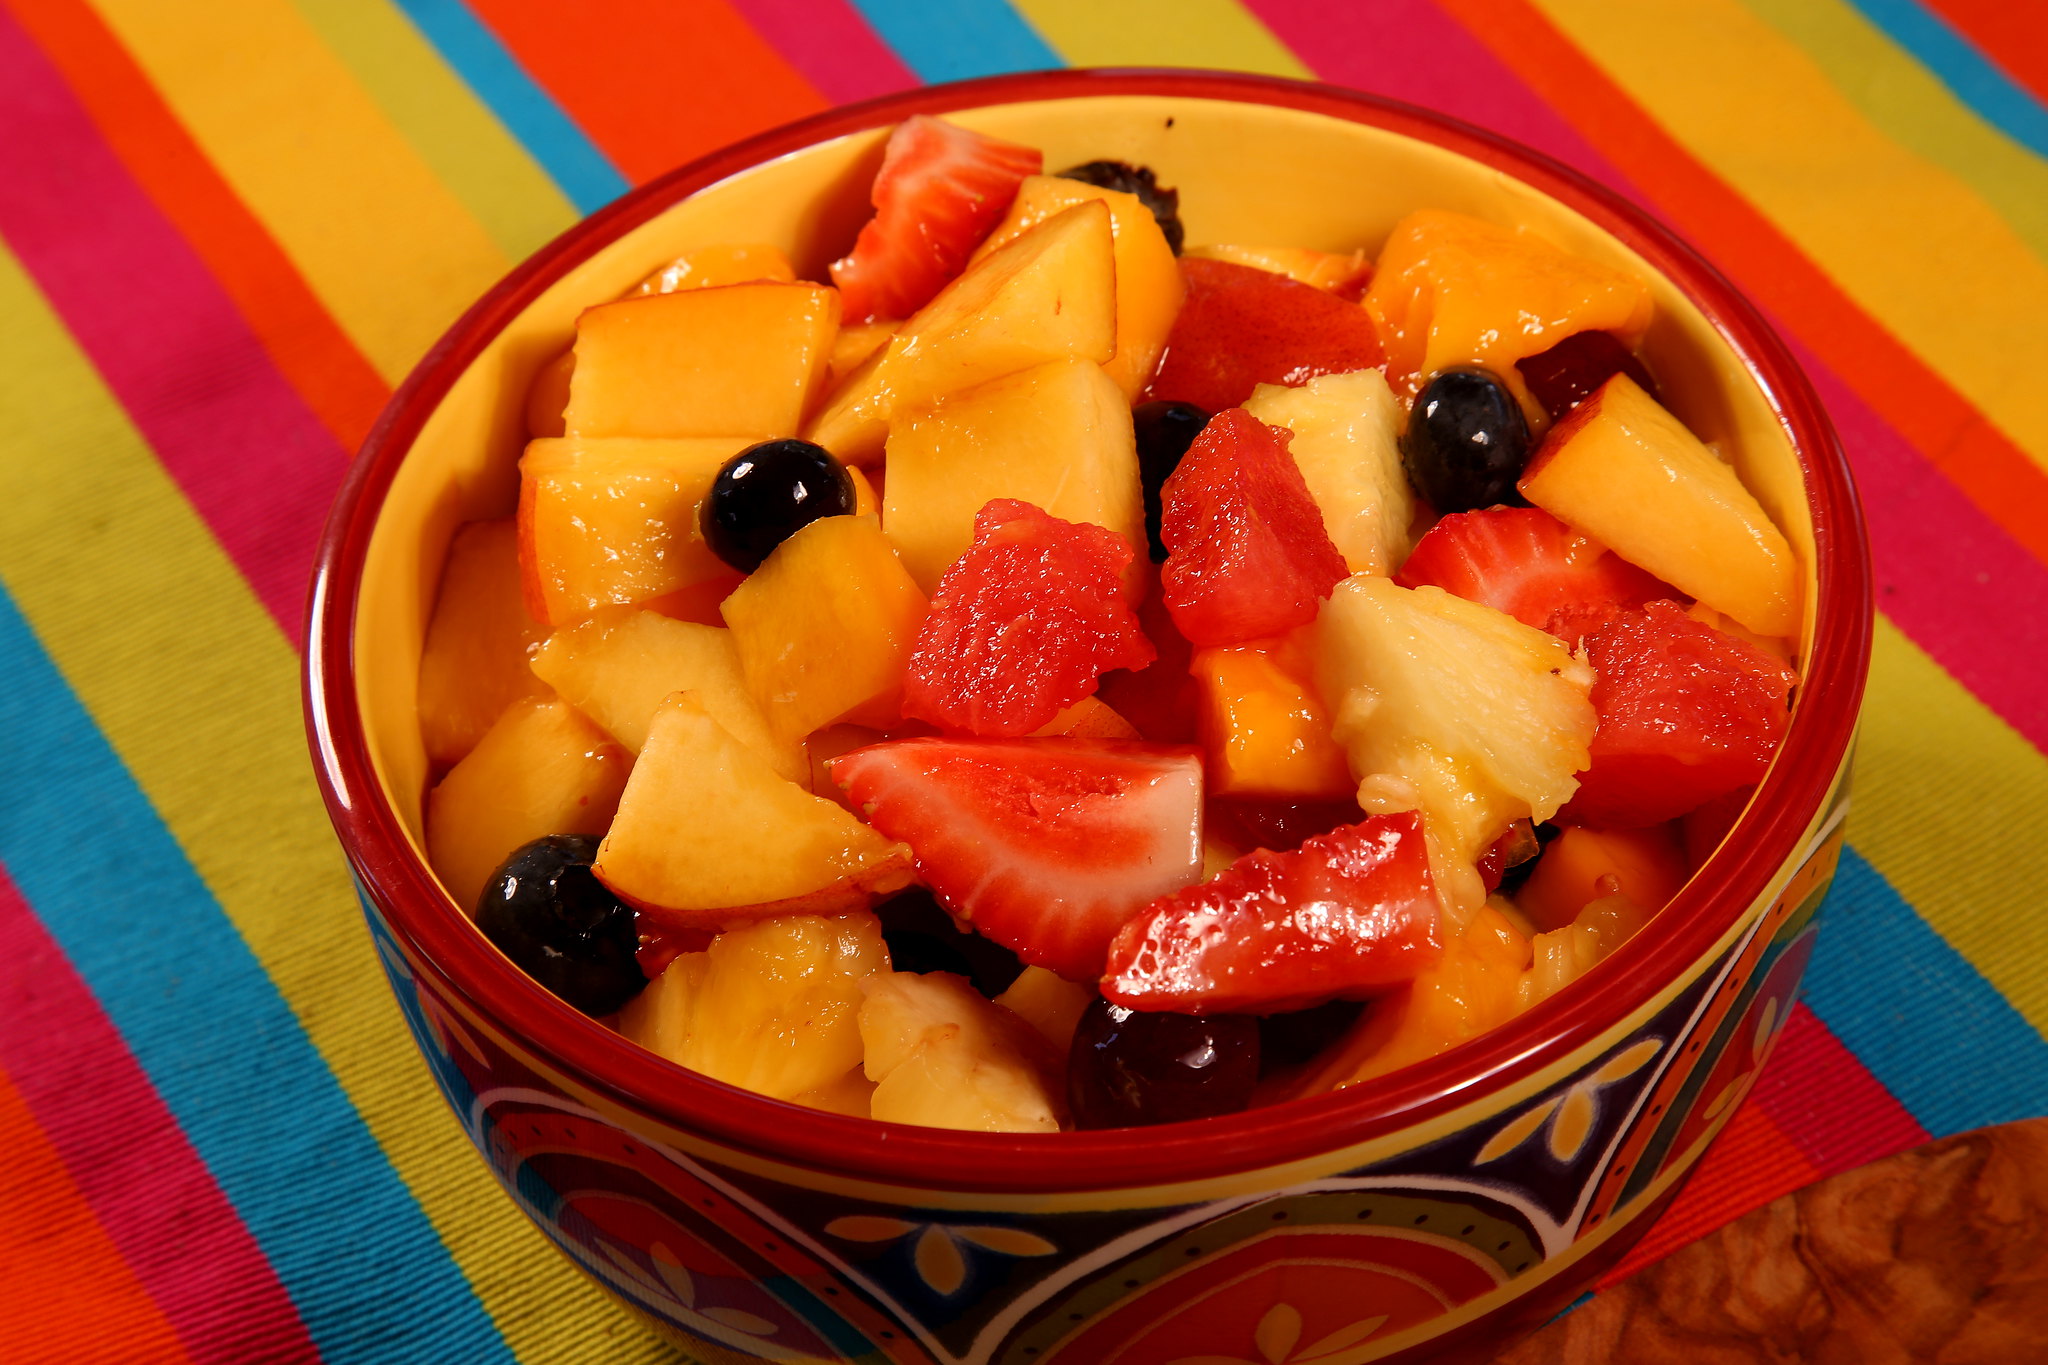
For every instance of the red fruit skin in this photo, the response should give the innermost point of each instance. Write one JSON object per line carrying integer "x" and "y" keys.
{"x": 1278, "y": 826}
{"x": 1527, "y": 563}
{"x": 1687, "y": 713}
{"x": 1348, "y": 913}
{"x": 941, "y": 190}
{"x": 1241, "y": 327}
{"x": 1246, "y": 552}
{"x": 1023, "y": 625}
{"x": 1568, "y": 373}
{"x": 1044, "y": 845}
{"x": 660, "y": 946}
{"x": 1161, "y": 699}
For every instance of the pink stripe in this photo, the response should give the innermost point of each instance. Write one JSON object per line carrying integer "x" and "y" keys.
{"x": 144, "y": 1182}
{"x": 255, "y": 462}
{"x": 1828, "y": 1103}
{"x": 831, "y": 45}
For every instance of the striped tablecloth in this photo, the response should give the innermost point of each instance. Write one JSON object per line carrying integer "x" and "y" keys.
{"x": 230, "y": 227}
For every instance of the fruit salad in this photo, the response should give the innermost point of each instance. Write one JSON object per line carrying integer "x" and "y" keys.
{"x": 1051, "y": 671}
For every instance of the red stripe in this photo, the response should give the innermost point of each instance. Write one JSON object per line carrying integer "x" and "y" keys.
{"x": 253, "y": 459}
{"x": 831, "y": 44}
{"x": 308, "y": 345}
{"x": 655, "y": 84}
{"x": 142, "y": 1180}
{"x": 1828, "y": 1103}
{"x": 2011, "y": 33}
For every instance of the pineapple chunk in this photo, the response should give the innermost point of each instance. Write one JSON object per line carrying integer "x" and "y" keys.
{"x": 1346, "y": 433}
{"x": 943, "y": 1057}
{"x": 1454, "y": 709}
{"x": 1049, "y": 295}
{"x": 1057, "y": 436}
{"x": 708, "y": 835}
{"x": 773, "y": 1007}
{"x": 474, "y": 663}
{"x": 542, "y": 769}
{"x": 1562, "y": 956}
{"x": 1627, "y": 473}
{"x": 1049, "y": 1003}
{"x": 618, "y": 667}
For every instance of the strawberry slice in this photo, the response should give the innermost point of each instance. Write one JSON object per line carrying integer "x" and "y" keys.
{"x": 1045, "y": 845}
{"x": 1161, "y": 698}
{"x": 1687, "y": 713}
{"x": 1246, "y": 552}
{"x": 1023, "y": 625}
{"x": 1240, "y": 327}
{"x": 941, "y": 190}
{"x": 1348, "y": 913}
{"x": 1527, "y": 563}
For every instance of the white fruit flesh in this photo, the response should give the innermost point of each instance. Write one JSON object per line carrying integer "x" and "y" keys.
{"x": 1346, "y": 432}
{"x": 773, "y": 1007}
{"x": 1627, "y": 473}
{"x": 944, "y": 1057}
{"x": 1562, "y": 956}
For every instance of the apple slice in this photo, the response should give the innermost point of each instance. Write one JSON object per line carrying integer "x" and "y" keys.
{"x": 474, "y": 665}
{"x": 618, "y": 667}
{"x": 1347, "y": 429}
{"x": 708, "y": 835}
{"x": 1049, "y": 295}
{"x": 1627, "y": 473}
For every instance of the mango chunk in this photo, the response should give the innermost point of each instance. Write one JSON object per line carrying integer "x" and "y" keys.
{"x": 724, "y": 361}
{"x": 722, "y": 263}
{"x": 1584, "y": 865}
{"x": 474, "y": 663}
{"x": 824, "y": 628}
{"x": 1265, "y": 731}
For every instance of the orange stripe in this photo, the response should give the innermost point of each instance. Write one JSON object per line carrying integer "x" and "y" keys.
{"x": 655, "y": 83}
{"x": 1990, "y": 469}
{"x": 310, "y": 349}
{"x": 68, "y": 1290}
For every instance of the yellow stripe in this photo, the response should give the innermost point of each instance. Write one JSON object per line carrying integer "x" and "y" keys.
{"x": 460, "y": 139}
{"x": 390, "y": 251}
{"x": 198, "y": 692}
{"x": 1948, "y": 805}
{"x": 1215, "y": 33}
{"x": 1934, "y": 263}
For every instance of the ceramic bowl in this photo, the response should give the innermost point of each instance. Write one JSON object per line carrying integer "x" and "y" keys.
{"x": 1434, "y": 1210}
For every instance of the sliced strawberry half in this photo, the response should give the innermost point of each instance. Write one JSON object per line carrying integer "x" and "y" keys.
{"x": 1349, "y": 912}
{"x": 1023, "y": 625}
{"x": 1045, "y": 845}
{"x": 941, "y": 190}
{"x": 1527, "y": 563}
{"x": 1246, "y": 552}
{"x": 1241, "y": 327}
{"x": 1687, "y": 713}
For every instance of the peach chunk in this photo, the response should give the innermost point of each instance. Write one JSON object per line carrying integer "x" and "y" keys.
{"x": 1627, "y": 473}
{"x": 1265, "y": 731}
{"x": 725, "y": 361}
{"x": 474, "y": 663}
{"x": 709, "y": 836}
{"x": 614, "y": 522}
{"x": 824, "y": 628}
{"x": 1344, "y": 274}
{"x": 1148, "y": 283}
{"x": 542, "y": 769}
{"x": 1452, "y": 290}
{"x": 722, "y": 263}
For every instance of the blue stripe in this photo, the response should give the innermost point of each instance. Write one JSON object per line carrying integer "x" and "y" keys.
{"x": 1996, "y": 97}
{"x": 363, "y": 1266}
{"x": 1932, "y": 1030}
{"x": 528, "y": 112}
{"x": 952, "y": 40}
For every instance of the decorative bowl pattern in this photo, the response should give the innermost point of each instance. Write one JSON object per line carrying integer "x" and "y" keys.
{"x": 1436, "y": 1209}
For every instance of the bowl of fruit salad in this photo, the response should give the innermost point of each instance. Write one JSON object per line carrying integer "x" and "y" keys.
{"x": 1096, "y": 717}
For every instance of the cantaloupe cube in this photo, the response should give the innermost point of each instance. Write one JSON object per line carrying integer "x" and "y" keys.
{"x": 474, "y": 663}
{"x": 1265, "y": 731}
{"x": 1149, "y": 287}
{"x": 1583, "y": 865}
{"x": 547, "y": 397}
{"x": 619, "y": 666}
{"x": 1049, "y": 295}
{"x": 1057, "y": 436}
{"x": 721, "y": 263}
{"x": 1344, "y": 274}
{"x": 1347, "y": 430}
{"x": 542, "y": 769}
{"x": 853, "y": 346}
{"x": 1627, "y": 473}
{"x": 726, "y": 361}
{"x": 824, "y": 628}
{"x": 709, "y": 836}
{"x": 614, "y": 522}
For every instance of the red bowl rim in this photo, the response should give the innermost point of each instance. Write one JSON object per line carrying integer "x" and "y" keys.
{"x": 1766, "y": 838}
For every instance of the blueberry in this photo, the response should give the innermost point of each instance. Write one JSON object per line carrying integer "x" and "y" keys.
{"x": 1138, "y": 180}
{"x": 1467, "y": 442}
{"x": 1165, "y": 431}
{"x": 549, "y": 913}
{"x": 1291, "y": 1039}
{"x": 767, "y": 493}
{"x": 1129, "y": 1068}
{"x": 923, "y": 938}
